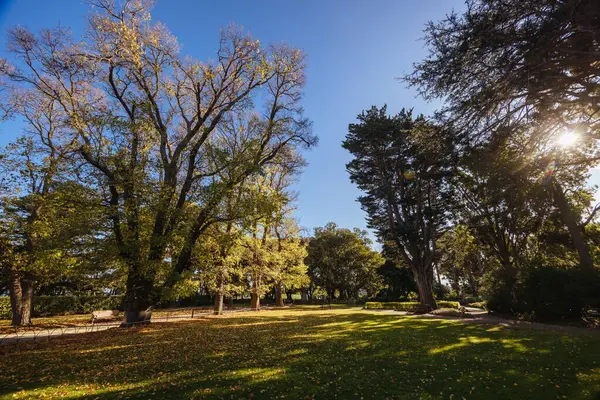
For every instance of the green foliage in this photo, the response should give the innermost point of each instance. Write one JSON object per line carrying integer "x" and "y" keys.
{"x": 48, "y": 306}
{"x": 478, "y": 304}
{"x": 398, "y": 281}
{"x": 5, "y": 311}
{"x": 460, "y": 260}
{"x": 408, "y": 305}
{"x": 341, "y": 259}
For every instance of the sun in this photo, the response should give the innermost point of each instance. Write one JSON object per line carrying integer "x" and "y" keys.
{"x": 567, "y": 139}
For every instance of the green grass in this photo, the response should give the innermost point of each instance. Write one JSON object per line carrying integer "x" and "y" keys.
{"x": 304, "y": 354}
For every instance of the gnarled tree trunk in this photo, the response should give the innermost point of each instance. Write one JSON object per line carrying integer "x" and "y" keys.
{"x": 137, "y": 300}
{"x": 21, "y": 298}
{"x": 424, "y": 281}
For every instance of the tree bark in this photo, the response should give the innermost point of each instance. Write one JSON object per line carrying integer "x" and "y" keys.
{"x": 278, "y": 295}
{"x": 424, "y": 281}
{"x": 137, "y": 298}
{"x": 218, "y": 304}
{"x": 218, "y": 309}
{"x": 255, "y": 301}
{"x": 570, "y": 219}
{"x": 21, "y": 298}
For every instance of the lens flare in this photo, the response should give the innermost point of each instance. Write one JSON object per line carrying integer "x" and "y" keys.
{"x": 567, "y": 139}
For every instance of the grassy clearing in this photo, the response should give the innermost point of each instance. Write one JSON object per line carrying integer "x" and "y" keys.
{"x": 303, "y": 354}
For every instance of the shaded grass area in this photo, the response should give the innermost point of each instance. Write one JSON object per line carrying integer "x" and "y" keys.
{"x": 46, "y": 323}
{"x": 66, "y": 321}
{"x": 303, "y": 354}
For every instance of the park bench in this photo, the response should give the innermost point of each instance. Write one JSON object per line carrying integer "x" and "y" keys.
{"x": 104, "y": 315}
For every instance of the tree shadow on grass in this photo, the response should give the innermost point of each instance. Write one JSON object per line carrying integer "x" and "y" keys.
{"x": 308, "y": 355}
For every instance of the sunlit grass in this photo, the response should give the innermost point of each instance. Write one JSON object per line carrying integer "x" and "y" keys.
{"x": 306, "y": 353}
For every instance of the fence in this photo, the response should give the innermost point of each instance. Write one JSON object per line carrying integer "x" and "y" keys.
{"x": 27, "y": 333}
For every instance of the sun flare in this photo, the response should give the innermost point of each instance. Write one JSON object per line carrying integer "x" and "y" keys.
{"x": 567, "y": 139}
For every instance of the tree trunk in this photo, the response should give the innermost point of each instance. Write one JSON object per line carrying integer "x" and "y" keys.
{"x": 572, "y": 222}
{"x": 255, "y": 301}
{"x": 304, "y": 295}
{"x": 424, "y": 281}
{"x": 218, "y": 309}
{"x": 137, "y": 301}
{"x": 473, "y": 285}
{"x": 21, "y": 298}
{"x": 218, "y": 304}
{"x": 278, "y": 296}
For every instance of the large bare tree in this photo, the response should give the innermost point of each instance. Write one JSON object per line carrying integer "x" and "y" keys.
{"x": 148, "y": 124}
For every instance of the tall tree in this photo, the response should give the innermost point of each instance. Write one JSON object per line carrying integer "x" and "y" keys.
{"x": 505, "y": 64}
{"x": 399, "y": 162}
{"x": 155, "y": 127}
{"x": 341, "y": 259}
{"x": 44, "y": 214}
{"x": 288, "y": 270}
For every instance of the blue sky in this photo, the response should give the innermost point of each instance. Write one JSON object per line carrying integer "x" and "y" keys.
{"x": 356, "y": 49}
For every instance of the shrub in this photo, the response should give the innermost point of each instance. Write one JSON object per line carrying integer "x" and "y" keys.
{"x": 558, "y": 293}
{"x": 479, "y": 304}
{"x": 5, "y": 312}
{"x": 452, "y": 312}
{"x": 546, "y": 292}
{"x": 407, "y": 305}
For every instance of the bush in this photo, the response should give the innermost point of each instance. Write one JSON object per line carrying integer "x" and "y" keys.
{"x": 452, "y": 312}
{"x": 407, "y": 305}
{"x": 5, "y": 312}
{"x": 547, "y": 293}
{"x": 479, "y": 304}
{"x": 558, "y": 293}
{"x": 48, "y": 306}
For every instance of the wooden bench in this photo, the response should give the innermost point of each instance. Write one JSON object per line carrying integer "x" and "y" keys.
{"x": 104, "y": 315}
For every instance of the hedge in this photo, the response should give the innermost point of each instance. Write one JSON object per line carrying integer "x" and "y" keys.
{"x": 408, "y": 305}
{"x": 48, "y": 306}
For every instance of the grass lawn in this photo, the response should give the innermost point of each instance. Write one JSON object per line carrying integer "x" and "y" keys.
{"x": 304, "y": 354}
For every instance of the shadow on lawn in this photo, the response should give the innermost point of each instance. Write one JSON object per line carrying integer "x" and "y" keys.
{"x": 306, "y": 354}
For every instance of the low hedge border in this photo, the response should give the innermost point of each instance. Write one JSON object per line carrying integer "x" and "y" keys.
{"x": 407, "y": 305}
